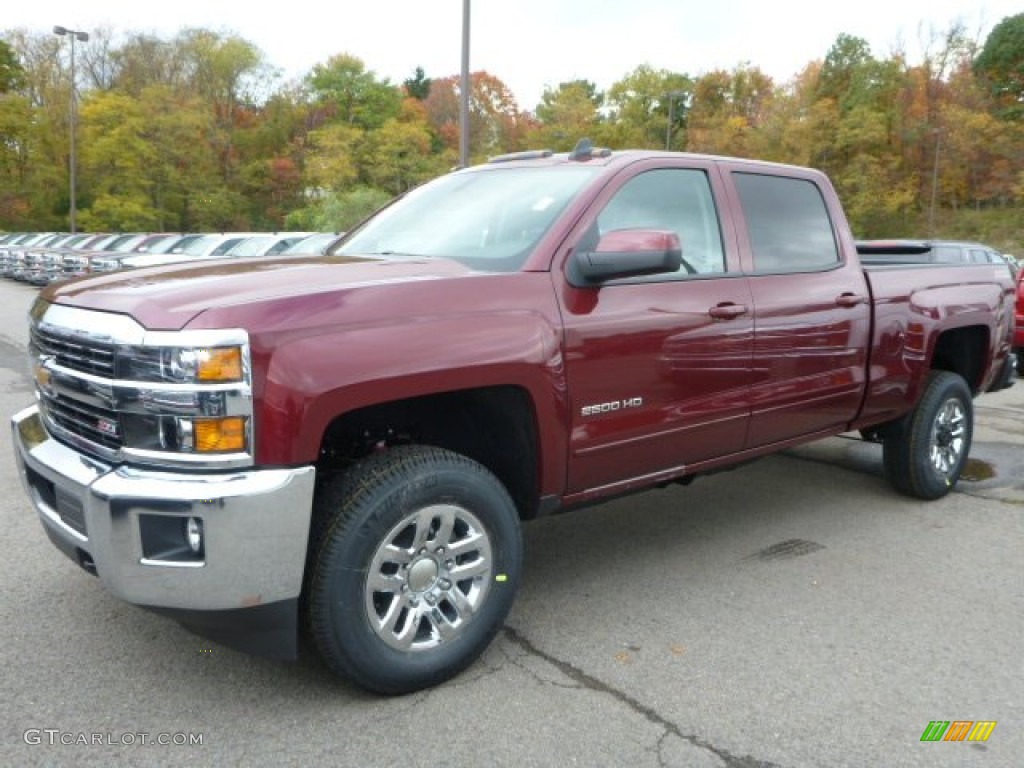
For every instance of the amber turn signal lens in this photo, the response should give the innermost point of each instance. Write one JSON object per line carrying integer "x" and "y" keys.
{"x": 219, "y": 435}
{"x": 220, "y": 364}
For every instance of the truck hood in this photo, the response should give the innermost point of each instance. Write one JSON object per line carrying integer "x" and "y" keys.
{"x": 168, "y": 297}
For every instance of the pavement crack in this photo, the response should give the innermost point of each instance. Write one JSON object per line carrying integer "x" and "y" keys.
{"x": 591, "y": 683}
{"x": 514, "y": 661}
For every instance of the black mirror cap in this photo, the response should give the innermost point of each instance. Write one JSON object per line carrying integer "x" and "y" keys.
{"x": 627, "y": 253}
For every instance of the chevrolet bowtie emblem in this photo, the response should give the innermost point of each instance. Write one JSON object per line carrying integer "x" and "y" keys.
{"x": 43, "y": 376}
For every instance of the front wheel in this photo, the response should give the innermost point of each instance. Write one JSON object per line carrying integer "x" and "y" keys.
{"x": 925, "y": 454}
{"x": 414, "y": 563}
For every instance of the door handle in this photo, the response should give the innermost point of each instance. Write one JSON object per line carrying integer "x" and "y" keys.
{"x": 727, "y": 311}
{"x": 850, "y": 300}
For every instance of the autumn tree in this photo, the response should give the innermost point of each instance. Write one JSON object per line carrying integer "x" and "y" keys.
{"x": 496, "y": 125}
{"x": 728, "y": 110}
{"x": 143, "y": 60}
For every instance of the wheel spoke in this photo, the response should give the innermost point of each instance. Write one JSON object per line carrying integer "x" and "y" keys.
{"x": 387, "y": 622}
{"x": 405, "y": 637}
{"x": 446, "y": 515}
{"x": 466, "y": 545}
{"x": 384, "y": 582}
{"x": 424, "y": 521}
{"x": 390, "y": 553}
{"x": 479, "y": 567}
{"x": 463, "y": 607}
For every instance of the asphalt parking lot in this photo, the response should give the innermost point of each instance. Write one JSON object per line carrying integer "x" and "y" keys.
{"x": 795, "y": 612}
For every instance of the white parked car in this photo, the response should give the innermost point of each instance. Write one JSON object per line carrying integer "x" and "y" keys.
{"x": 266, "y": 244}
{"x": 187, "y": 248}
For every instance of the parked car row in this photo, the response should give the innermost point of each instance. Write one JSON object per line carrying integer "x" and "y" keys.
{"x": 41, "y": 258}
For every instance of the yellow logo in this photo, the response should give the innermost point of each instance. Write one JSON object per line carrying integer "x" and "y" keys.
{"x": 43, "y": 376}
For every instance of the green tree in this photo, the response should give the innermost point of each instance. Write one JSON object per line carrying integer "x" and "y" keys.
{"x": 12, "y": 74}
{"x": 356, "y": 95}
{"x": 17, "y": 136}
{"x": 396, "y": 157}
{"x": 569, "y": 113}
{"x": 417, "y": 86}
{"x": 330, "y": 158}
{"x": 338, "y": 212}
{"x": 1001, "y": 65}
{"x": 114, "y": 157}
{"x": 639, "y": 105}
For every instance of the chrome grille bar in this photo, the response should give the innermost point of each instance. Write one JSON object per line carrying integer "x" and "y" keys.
{"x": 75, "y": 353}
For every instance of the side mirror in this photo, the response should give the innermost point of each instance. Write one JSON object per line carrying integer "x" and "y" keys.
{"x": 627, "y": 253}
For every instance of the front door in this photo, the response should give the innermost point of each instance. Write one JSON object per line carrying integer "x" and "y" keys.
{"x": 658, "y": 367}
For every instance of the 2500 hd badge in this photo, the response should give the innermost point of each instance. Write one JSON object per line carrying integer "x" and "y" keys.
{"x": 614, "y": 405}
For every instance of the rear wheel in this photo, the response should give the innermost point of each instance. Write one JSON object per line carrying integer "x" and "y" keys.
{"x": 413, "y": 567}
{"x": 925, "y": 454}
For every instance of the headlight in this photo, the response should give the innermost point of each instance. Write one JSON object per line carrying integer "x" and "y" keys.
{"x": 182, "y": 365}
{"x": 199, "y": 414}
{"x": 210, "y": 364}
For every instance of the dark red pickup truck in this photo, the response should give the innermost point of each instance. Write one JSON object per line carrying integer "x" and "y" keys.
{"x": 348, "y": 444}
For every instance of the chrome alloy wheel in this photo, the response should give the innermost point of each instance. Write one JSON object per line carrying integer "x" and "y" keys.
{"x": 948, "y": 433}
{"x": 428, "y": 578}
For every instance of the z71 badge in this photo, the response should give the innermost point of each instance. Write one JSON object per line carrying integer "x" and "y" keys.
{"x": 614, "y": 405}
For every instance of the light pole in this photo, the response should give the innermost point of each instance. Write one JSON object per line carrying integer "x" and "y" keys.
{"x": 82, "y": 37}
{"x": 464, "y": 87}
{"x": 935, "y": 183}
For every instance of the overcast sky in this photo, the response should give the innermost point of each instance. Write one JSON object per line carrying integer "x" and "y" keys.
{"x": 530, "y": 44}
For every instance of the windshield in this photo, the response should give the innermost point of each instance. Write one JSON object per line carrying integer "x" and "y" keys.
{"x": 151, "y": 243}
{"x": 312, "y": 244}
{"x": 198, "y": 247}
{"x": 227, "y": 245}
{"x": 125, "y": 243}
{"x": 488, "y": 219}
{"x": 252, "y": 246}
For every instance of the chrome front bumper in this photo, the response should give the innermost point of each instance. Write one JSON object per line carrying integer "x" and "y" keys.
{"x": 255, "y": 526}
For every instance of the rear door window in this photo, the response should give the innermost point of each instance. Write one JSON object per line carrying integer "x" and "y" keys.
{"x": 788, "y": 223}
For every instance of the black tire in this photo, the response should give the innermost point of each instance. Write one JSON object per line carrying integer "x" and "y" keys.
{"x": 1020, "y": 361}
{"x": 410, "y": 521}
{"x": 925, "y": 454}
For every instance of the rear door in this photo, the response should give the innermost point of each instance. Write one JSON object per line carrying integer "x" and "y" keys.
{"x": 812, "y": 310}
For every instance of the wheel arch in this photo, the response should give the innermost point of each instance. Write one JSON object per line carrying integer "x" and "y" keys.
{"x": 964, "y": 351}
{"x": 496, "y": 426}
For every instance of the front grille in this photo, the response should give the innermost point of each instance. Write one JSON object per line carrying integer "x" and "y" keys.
{"x": 95, "y": 424}
{"x": 76, "y": 353}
